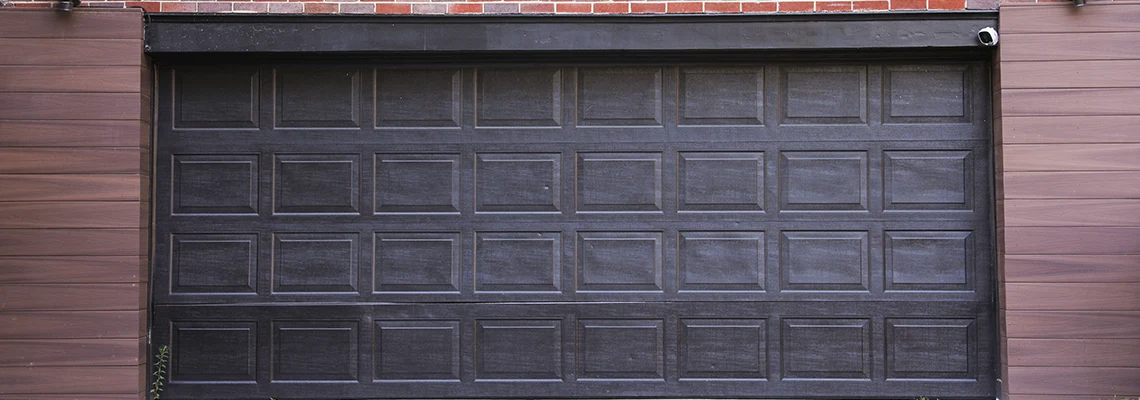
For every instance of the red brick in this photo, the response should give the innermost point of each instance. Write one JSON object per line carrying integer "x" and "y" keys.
{"x": 647, "y": 7}
{"x": 500, "y": 8}
{"x": 684, "y": 7}
{"x": 306, "y": 1}
{"x": 611, "y": 8}
{"x": 766, "y": 7}
{"x": 833, "y": 6}
{"x": 947, "y": 4}
{"x": 357, "y": 8}
{"x": 908, "y": 4}
{"x": 464, "y": 8}
{"x": 393, "y": 8}
{"x": 149, "y": 6}
{"x": 209, "y": 6}
{"x": 871, "y": 5}
{"x": 536, "y": 8}
{"x": 583, "y": 8}
{"x": 429, "y": 8}
{"x": 179, "y": 7}
{"x": 321, "y": 8}
{"x": 284, "y": 8}
{"x": 32, "y": 5}
{"x": 796, "y": 6}
{"x": 252, "y": 7}
{"x": 722, "y": 7}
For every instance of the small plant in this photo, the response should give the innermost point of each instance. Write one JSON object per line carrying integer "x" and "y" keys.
{"x": 160, "y": 361}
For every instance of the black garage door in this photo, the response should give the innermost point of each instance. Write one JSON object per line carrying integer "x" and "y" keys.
{"x": 688, "y": 230}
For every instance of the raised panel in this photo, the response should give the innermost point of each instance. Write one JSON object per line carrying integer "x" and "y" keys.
{"x": 518, "y": 261}
{"x": 926, "y": 94}
{"x": 418, "y": 98}
{"x": 824, "y": 261}
{"x": 619, "y": 182}
{"x": 823, "y": 181}
{"x": 216, "y": 98}
{"x": 619, "y": 261}
{"x": 827, "y": 348}
{"x": 732, "y": 261}
{"x": 929, "y": 260}
{"x": 619, "y": 97}
{"x": 931, "y": 349}
{"x": 824, "y": 95}
{"x": 315, "y": 351}
{"x": 928, "y": 180}
{"x": 213, "y": 352}
{"x": 417, "y": 350}
{"x": 416, "y": 183}
{"x": 518, "y": 182}
{"x": 723, "y": 349}
{"x": 317, "y": 98}
{"x": 416, "y": 262}
{"x": 621, "y": 349}
{"x": 721, "y": 96}
{"x": 316, "y": 183}
{"x": 518, "y": 97}
{"x": 725, "y": 182}
{"x": 214, "y": 184}
{"x": 518, "y": 350}
{"x": 213, "y": 263}
{"x": 314, "y": 262}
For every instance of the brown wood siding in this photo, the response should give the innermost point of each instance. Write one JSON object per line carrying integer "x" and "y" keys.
{"x": 74, "y": 210}
{"x": 1069, "y": 200}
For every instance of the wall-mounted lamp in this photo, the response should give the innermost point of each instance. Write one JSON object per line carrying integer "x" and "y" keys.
{"x": 1079, "y": 3}
{"x": 66, "y": 5}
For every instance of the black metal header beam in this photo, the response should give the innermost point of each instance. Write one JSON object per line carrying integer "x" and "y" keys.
{"x": 275, "y": 34}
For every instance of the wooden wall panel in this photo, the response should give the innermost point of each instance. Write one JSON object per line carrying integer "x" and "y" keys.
{"x": 74, "y": 214}
{"x": 1070, "y": 200}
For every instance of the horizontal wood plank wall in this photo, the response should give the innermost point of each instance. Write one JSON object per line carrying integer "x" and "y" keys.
{"x": 74, "y": 208}
{"x": 1069, "y": 200}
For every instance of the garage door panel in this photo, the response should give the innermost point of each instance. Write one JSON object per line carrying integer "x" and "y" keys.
{"x": 509, "y": 230}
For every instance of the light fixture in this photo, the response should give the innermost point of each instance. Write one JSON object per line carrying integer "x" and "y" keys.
{"x": 66, "y": 5}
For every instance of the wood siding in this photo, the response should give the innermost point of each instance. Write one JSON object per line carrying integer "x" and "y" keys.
{"x": 74, "y": 208}
{"x": 1069, "y": 200}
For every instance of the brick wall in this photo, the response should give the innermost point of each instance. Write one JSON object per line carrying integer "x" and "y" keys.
{"x": 531, "y": 6}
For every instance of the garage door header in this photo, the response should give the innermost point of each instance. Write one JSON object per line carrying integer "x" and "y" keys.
{"x": 346, "y": 35}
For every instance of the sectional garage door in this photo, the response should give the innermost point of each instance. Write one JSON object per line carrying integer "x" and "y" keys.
{"x": 771, "y": 229}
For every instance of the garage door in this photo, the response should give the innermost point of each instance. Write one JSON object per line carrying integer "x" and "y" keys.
{"x": 503, "y": 230}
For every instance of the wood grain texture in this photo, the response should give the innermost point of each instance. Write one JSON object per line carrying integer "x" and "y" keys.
{"x": 1072, "y": 240}
{"x": 1071, "y": 185}
{"x": 74, "y": 215}
{"x": 1070, "y": 129}
{"x": 73, "y": 352}
{"x": 1074, "y": 380}
{"x": 72, "y": 161}
{"x": 86, "y": 106}
{"x": 1031, "y": 102}
{"x": 1072, "y": 297}
{"x": 72, "y": 242}
{"x": 73, "y": 269}
{"x": 1095, "y": 17}
{"x": 1071, "y": 157}
{"x": 1074, "y": 352}
{"x": 1072, "y": 268}
{"x": 1072, "y": 324}
{"x": 1069, "y": 47}
{"x": 1100, "y": 212}
{"x": 73, "y": 133}
{"x": 71, "y": 297}
{"x": 97, "y": 380}
{"x": 82, "y": 23}
{"x": 72, "y": 187}
{"x": 94, "y": 52}
{"x": 1071, "y": 74}
{"x": 70, "y": 79}
{"x": 73, "y": 325}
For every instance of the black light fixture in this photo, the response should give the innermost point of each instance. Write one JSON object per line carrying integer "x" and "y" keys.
{"x": 1079, "y": 3}
{"x": 66, "y": 5}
